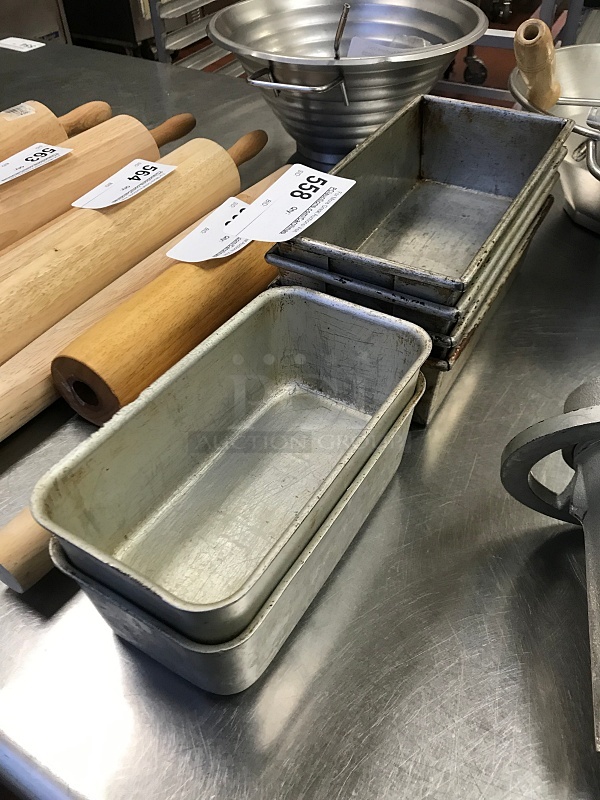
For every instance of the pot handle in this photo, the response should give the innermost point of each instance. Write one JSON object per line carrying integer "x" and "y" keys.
{"x": 256, "y": 80}
{"x": 592, "y": 159}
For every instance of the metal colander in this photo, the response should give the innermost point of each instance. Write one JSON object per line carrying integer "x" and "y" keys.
{"x": 330, "y": 105}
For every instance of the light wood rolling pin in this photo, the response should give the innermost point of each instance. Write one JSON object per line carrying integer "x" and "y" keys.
{"x": 40, "y": 125}
{"x": 24, "y": 556}
{"x": 26, "y": 386}
{"x": 536, "y": 57}
{"x": 29, "y": 202}
{"x": 81, "y": 252}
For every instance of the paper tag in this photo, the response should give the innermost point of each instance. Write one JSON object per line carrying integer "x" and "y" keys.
{"x": 21, "y": 45}
{"x": 124, "y": 184}
{"x": 371, "y": 48}
{"x": 22, "y": 110}
{"x": 38, "y": 155}
{"x": 290, "y": 205}
{"x": 211, "y": 238}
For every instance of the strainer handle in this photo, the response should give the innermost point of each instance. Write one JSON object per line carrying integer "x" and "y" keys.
{"x": 530, "y": 446}
{"x": 256, "y": 79}
{"x": 592, "y": 159}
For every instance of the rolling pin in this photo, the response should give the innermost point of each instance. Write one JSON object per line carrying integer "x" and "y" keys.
{"x": 536, "y": 59}
{"x": 24, "y": 557}
{"x": 29, "y": 202}
{"x": 81, "y": 252}
{"x": 117, "y": 358}
{"x": 31, "y": 122}
{"x": 26, "y": 386}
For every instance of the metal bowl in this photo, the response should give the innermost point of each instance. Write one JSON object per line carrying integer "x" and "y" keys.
{"x": 577, "y": 71}
{"x": 330, "y": 105}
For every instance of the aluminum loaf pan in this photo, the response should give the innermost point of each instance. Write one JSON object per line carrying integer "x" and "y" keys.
{"x": 235, "y": 665}
{"x": 194, "y": 500}
{"x": 442, "y": 372}
{"x": 440, "y": 321}
{"x": 329, "y": 105}
{"x": 438, "y": 187}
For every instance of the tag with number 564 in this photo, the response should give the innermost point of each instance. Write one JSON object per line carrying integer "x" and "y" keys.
{"x": 124, "y": 184}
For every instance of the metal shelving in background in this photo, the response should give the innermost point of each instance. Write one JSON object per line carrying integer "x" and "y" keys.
{"x": 575, "y": 19}
{"x": 187, "y": 44}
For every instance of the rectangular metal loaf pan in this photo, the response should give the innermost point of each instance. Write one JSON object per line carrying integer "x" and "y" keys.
{"x": 438, "y": 188}
{"x": 194, "y": 500}
{"x": 442, "y": 372}
{"x": 235, "y": 665}
{"x": 440, "y": 321}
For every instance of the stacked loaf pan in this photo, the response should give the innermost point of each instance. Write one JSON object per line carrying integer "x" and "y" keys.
{"x": 448, "y": 197}
{"x": 206, "y": 515}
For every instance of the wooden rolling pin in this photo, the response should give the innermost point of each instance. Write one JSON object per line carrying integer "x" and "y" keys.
{"x": 29, "y": 202}
{"x": 32, "y": 122}
{"x": 24, "y": 557}
{"x": 111, "y": 363}
{"x": 26, "y": 386}
{"x": 536, "y": 59}
{"x": 83, "y": 251}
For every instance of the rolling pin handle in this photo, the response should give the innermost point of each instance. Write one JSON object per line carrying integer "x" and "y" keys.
{"x": 174, "y": 128}
{"x": 24, "y": 554}
{"x": 85, "y": 117}
{"x": 535, "y": 56}
{"x": 248, "y": 146}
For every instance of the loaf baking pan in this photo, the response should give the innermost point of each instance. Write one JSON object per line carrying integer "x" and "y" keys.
{"x": 233, "y": 666}
{"x": 440, "y": 321}
{"x": 442, "y": 372}
{"x": 439, "y": 187}
{"x": 443, "y": 344}
{"x": 194, "y": 500}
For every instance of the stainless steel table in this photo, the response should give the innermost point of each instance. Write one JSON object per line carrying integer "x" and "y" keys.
{"x": 448, "y": 655}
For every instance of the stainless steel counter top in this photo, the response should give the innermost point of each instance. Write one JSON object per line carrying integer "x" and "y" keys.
{"x": 448, "y": 655}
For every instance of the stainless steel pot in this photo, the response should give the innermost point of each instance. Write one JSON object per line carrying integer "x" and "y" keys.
{"x": 577, "y": 70}
{"x": 328, "y": 104}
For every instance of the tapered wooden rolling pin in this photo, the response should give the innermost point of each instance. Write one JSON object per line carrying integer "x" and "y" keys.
{"x": 31, "y": 122}
{"x": 38, "y": 197}
{"x": 83, "y": 251}
{"x": 536, "y": 59}
{"x": 24, "y": 557}
{"x": 26, "y": 386}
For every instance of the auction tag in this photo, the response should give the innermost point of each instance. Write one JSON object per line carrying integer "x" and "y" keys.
{"x": 290, "y": 205}
{"x": 21, "y": 45}
{"x": 211, "y": 238}
{"x": 124, "y": 184}
{"x": 371, "y": 48}
{"x": 368, "y": 48}
{"x": 22, "y": 110}
{"x": 38, "y": 155}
